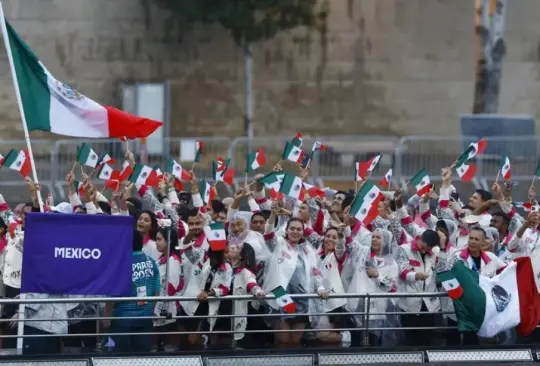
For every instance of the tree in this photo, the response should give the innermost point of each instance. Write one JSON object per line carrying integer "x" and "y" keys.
{"x": 247, "y": 20}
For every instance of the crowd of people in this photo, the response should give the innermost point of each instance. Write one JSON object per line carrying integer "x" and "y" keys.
{"x": 308, "y": 246}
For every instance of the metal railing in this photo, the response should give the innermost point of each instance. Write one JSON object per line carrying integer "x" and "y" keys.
{"x": 406, "y": 155}
{"x": 366, "y": 297}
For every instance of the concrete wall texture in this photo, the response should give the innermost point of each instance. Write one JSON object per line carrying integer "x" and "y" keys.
{"x": 394, "y": 67}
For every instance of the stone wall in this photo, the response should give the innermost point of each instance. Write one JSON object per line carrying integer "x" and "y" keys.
{"x": 393, "y": 67}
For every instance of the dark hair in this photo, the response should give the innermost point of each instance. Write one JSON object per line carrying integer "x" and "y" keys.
{"x": 484, "y": 195}
{"x": 183, "y": 212}
{"x": 347, "y": 201}
{"x": 216, "y": 257}
{"x": 153, "y": 225}
{"x": 260, "y": 214}
{"x": 431, "y": 238}
{"x": 441, "y": 225}
{"x": 218, "y": 206}
{"x": 502, "y": 215}
{"x": 32, "y": 208}
{"x": 135, "y": 202}
{"x": 171, "y": 237}
{"x": 265, "y": 213}
{"x": 193, "y": 212}
{"x": 333, "y": 228}
{"x": 137, "y": 241}
{"x": 247, "y": 257}
{"x": 184, "y": 197}
{"x": 105, "y": 207}
{"x": 478, "y": 228}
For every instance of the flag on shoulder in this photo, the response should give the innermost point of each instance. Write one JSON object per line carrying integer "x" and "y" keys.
{"x": 365, "y": 206}
{"x": 215, "y": 234}
{"x": 284, "y": 300}
{"x": 18, "y": 160}
{"x": 51, "y": 105}
{"x": 143, "y": 174}
{"x": 489, "y": 306}
{"x": 255, "y": 160}
{"x": 506, "y": 169}
{"x": 421, "y": 182}
{"x": 292, "y": 186}
{"x": 176, "y": 170}
{"x": 87, "y": 156}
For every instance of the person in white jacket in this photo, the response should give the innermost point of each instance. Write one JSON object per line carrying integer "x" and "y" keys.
{"x": 416, "y": 261}
{"x": 170, "y": 268}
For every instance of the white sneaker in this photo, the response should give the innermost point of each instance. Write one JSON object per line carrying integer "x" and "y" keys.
{"x": 345, "y": 338}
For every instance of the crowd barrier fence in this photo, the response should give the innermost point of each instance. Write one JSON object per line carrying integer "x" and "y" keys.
{"x": 405, "y": 155}
{"x": 267, "y": 357}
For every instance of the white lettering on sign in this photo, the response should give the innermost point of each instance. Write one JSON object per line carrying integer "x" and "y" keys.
{"x": 77, "y": 253}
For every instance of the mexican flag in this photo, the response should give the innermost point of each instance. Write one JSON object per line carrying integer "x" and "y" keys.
{"x": 255, "y": 160}
{"x": 143, "y": 174}
{"x": 112, "y": 184}
{"x": 207, "y": 191}
{"x": 292, "y": 186}
{"x": 421, "y": 182}
{"x": 466, "y": 171}
{"x": 284, "y": 300}
{"x": 126, "y": 171}
{"x": 506, "y": 170}
{"x": 292, "y": 153}
{"x": 105, "y": 158}
{"x": 360, "y": 170}
{"x": 489, "y": 306}
{"x": 199, "y": 148}
{"x": 373, "y": 162}
{"x": 216, "y": 236}
{"x": 176, "y": 170}
{"x": 317, "y": 146}
{"x": 79, "y": 188}
{"x": 87, "y": 156}
{"x": 478, "y": 148}
{"x": 106, "y": 172}
{"x": 18, "y": 160}
{"x": 385, "y": 182}
{"x": 51, "y": 105}
{"x": 298, "y": 140}
{"x": 365, "y": 206}
{"x": 221, "y": 171}
{"x": 272, "y": 180}
{"x": 314, "y": 191}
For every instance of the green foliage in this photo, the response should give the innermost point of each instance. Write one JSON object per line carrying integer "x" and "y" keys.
{"x": 247, "y": 20}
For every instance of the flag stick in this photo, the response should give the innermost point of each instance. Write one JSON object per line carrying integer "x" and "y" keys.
{"x": 82, "y": 170}
{"x": 245, "y": 180}
{"x": 20, "y": 324}
{"x": 356, "y": 186}
{"x": 74, "y": 165}
{"x": 193, "y": 165}
{"x": 534, "y": 178}
{"x": 103, "y": 189}
{"x": 498, "y": 174}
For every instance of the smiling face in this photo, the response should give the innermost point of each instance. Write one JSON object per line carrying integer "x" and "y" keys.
{"x": 295, "y": 232}
{"x": 144, "y": 224}
{"x": 238, "y": 226}
{"x": 330, "y": 240}
{"x": 195, "y": 225}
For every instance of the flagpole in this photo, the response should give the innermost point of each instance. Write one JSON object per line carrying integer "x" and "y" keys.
{"x": 498, "y": 174}
{"x": 20, "y": 324}
{"x": 534, "y": 178}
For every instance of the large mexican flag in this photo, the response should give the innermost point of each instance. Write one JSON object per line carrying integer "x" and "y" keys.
{"x": 489, "y": 306}
{"x": 51, "y": 105}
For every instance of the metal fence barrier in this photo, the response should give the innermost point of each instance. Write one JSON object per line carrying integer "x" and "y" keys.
{"x": 406, "y": 155}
